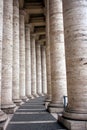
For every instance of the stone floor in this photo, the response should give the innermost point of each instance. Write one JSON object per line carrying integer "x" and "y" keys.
{"x": 33, "y": 116}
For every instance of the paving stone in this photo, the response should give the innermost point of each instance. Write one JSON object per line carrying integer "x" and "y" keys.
{"x": 33, "y": 121}
{"x": 45, "y": 126}
{"x": 32, "y": 117}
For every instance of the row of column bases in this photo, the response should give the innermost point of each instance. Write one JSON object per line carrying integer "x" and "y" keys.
{"x": 64, "y": 57}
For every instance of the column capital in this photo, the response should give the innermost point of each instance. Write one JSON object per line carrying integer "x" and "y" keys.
{"x": 28, "y": 25}
{"x": 22, "y": 12}
{"x": 38, "y": 43}
{"x": 42, "y": 42}
{"x": 43, "y": 46}
{"x": 33, "y": 35}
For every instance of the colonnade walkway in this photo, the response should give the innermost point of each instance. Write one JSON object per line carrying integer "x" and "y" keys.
{"x": 33, "y": 116}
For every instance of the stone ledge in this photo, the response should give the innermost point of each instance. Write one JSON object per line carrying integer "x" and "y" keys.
{"x": 4, "y": 124}
{"x": 47, "y": 103}
{"x": 9, "y": 109}
{"x": 55, "y": 108}
{"x": 72, "y": 124}
{"x": 18, "y": 102}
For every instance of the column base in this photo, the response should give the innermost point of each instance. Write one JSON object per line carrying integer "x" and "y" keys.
{"x": 8, "y": 108}
{"x": 55, "y": 108}
{"x": 4, "y": 124}
{"x": 24, "y": 99}
{"x": 35, "y": 95}
{"x": 32, "y": 97}
{"x": 47, "y": 102}
{"x": 44, "y": 94}
{"x": 29, "y": 97}
{"x": 3, "y": 116}
{"x": 40, "y": 94}
{"x": 18, "y": 102}
{"x": 75, "y": 115}
{"x": 72, "y": 124}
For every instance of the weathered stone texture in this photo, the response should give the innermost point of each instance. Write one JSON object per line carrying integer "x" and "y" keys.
{"x": 2, "y": 115}
{"x": 73, "y": 124}
{"x": 22, "y": 54}
{"x": 38, "y": 68}
{"x": 1, "y": 29}
{"x": 28, "y": 60}
{"x": 44, "y": 75}
{"x": 15, "y": 88}
{"x": 75, "y": 24}
{"x": 7, "y": 55}
{"x": 58, "y": 70}
{"x": 33, "y": 66}
{"x": 48, "y": 62}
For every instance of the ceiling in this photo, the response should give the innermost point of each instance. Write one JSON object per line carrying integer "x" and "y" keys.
{"x": 35, "y": 16}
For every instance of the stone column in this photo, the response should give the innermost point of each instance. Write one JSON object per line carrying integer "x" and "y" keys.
{"x": 48, "y": 62}
{"x": 15, "y": 94}
{"x": 44, "y": 76}
{"x": 33, "y": 66}
{"x": 7, "y": 55}
{"x": 75, "y": 24}
{"x": 28, "y": 60}
{"x": 22, "y": 54}
{"x": 58, "y": 70}
{"x": 3, "y": 116}
{"x": 38, "y": 68}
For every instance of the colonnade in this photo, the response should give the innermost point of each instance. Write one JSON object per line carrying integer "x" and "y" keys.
{"x": 68, "y": 52}
{"x": 57, "y": 68}
{"x": 20, "y": 59}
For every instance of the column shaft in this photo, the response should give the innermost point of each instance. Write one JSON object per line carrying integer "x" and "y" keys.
{"x": 7, "y": 55}
{"x": 44, "y": 75}
{"x": 15, "y": 94}
{"x": 48, "y": 62}
{"x": 75, "y": 23}
{"x": 22, "y": 54}
{"x": 58, "y": 71}
{"x": 28, "y": 60}
{"x": 38, "y": 69}
{"x": 3, "y": 116}
{"x": 33, "y": 66}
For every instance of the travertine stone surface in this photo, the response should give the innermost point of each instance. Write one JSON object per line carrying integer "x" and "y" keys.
{"x": 72, "y": 124}
{"x": 7, "y": 55}
{"x": 58, "y": 71}
{"x": 33, "y": 66}
{"x": 44, "y": 75}
{"x": 28, "y": 60}
{"x": 48, "y": 62}
{"x": 38, "y": 68}
{"x": 15, "y": 88}
{"x": 22, "y": 54}
{"x": 3, "y": 116}
{"x": 75, "y": 24}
